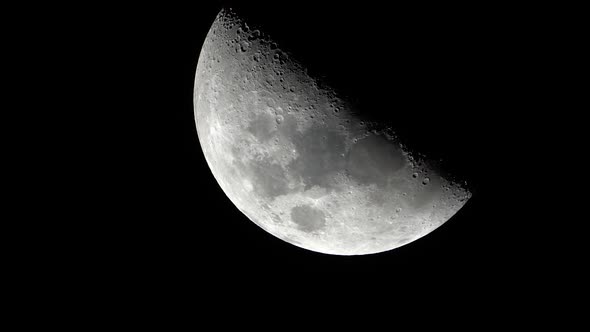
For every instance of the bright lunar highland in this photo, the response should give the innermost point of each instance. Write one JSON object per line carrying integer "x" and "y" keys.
{"x": 290, "y": 153}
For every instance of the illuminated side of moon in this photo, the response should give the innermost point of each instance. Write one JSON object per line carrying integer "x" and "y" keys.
{"x": 291, "y": 155}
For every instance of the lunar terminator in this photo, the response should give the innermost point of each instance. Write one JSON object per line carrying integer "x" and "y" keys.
{"x": 291, "y": 154}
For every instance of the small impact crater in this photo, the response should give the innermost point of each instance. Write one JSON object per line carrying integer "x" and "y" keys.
{"x": 308, "y": 219}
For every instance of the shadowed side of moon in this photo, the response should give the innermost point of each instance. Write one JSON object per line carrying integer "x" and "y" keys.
{"x": 290, "y": 154}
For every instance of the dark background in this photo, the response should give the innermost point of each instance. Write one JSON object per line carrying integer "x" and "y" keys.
{"x": 150, "y": 220}
{"x": 443, "y": 76}
{"x": 122, "y": 219}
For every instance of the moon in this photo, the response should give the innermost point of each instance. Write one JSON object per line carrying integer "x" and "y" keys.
{"x": 293, "y": 156}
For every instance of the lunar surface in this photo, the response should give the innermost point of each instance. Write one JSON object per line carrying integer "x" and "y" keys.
{"x": 291, "y": 155}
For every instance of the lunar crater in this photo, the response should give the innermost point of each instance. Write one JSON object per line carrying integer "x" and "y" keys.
{"x": 293, "y": 156}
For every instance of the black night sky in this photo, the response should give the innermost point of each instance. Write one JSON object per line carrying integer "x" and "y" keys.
{"x": 439, "y": 74}
{"x": 121, "y": 223}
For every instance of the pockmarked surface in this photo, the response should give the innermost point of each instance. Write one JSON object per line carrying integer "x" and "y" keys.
{"x": 290, "y": 153}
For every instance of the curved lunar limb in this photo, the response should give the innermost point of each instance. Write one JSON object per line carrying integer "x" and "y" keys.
{"x": 291, "y": 155}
